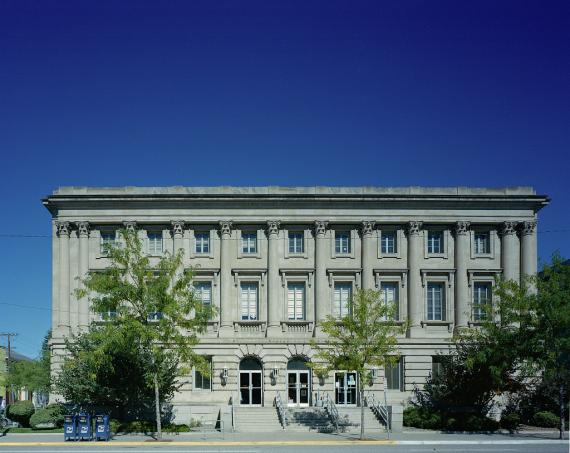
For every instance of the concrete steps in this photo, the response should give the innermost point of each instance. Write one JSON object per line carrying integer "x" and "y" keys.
{"x": 256, "y": 419}
{"x": 308, "y": 419}
{"x": 350, "y": 420}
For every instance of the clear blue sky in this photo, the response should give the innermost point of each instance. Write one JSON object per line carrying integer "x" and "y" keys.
{"x": 108, "y": 93}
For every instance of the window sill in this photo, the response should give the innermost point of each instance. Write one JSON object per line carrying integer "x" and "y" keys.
{"x": 296, "y": 326}
{"x": 249, "y": 326}
{"x": 436, "y": 255}
{"x": 448, "y": 324}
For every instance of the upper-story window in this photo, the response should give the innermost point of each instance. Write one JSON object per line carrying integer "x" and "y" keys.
{"x": 482, "y": 297}
{"x": 342, "y": 242}
{"x": 435, "y": 242}
{"x": 248, "y": 301}
{"x": 202, "y": 242}
{"x": 341, "y": 299}
{"x": 435, "y": 302}
{"x": 249, "y": 243}
{"x": 388, "y": 243}
{"x": 296, "y": 242}
{"x": 296, "y": 301}
{"x": 389, "y": 295}
{"x": 154, "y": 243}
{"x": 482, "y": 241}
{"x": 108, "y": 239}
{"x": 203, "y": 292}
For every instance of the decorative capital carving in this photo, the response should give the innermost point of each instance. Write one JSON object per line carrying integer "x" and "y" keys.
{"x": 177, "y": 227}
{"x": 82, "y": 229}
{"x": 462, "y": 227}
{"x": 414, "y": 227}
{"x": 321, "y": 227}
{"x": 509, "y": 228}
{"x": 368, "y": 227}
{"x": 63, "y": 228}
{"x": 226, "y": 227}
{"x": 273, "y": 227}
{"x": 130, "y": 225}
{"x": 528, "y": 227}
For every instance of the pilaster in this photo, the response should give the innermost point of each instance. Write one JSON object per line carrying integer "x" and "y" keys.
{"x": 63, "y": 230}
{"x": 510, "y": 254}
{"x": 462, "y": 310}
{"x": 528, "y": 249}
{"x": 369, "y": 251}
{"x": 226, "y": 305}
{"x": 415, "y": 299}
{"x": 322, "y": 301}
{"x": 273, "y": 282}
{"x": 83, "y": 303}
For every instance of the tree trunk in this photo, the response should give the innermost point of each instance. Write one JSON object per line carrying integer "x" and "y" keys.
{"x": 157, "y": 407}
{"x": 361, "y": 410}
{"x": 561, "y": 401}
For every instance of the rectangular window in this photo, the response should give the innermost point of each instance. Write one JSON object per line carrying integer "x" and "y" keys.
{"x": 202, "y": 242}
{"x": 389, "y": 295}
{"x": 395, "y": 375}
{"x": 436, "y": 366}
{"x": 154, "y": 316}
{"x": 202, "y": 382}
{"x": 248, "y": 301}
{"x": 154, "y": 243}
{"x": 482, "y": 243}
{"x": 108, "y": 239}
{"x": 296, "y": 242}
{"x": 296, "y": 301}
{"x": 482, "y": 296}
{"x": 342, "y": 242}
{"x": 249, "y": 243}
{"x": 388, "y": 242}
{"x": 435, "y": 242}
{"x": 435, "y": 302}
{"x": 203, "y": 292}
{"x": 341, "y": 302}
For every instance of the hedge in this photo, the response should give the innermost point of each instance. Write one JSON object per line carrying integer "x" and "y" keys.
{"x": 20, "y": 412}
{"x": 50, "y": 416}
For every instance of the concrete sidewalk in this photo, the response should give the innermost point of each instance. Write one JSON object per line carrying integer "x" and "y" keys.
{"x": 408, "y": 437}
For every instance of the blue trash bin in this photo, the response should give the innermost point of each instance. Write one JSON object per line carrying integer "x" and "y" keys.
{"x": 84, "y": 430}
{"x": 69, "y": 427}
{"x": 102, "y": 428}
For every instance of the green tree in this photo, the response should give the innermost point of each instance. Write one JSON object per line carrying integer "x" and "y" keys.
{"x": 155, "y": 305}
{"x": 32, "y": 375}
{"x": 365, "y": 338}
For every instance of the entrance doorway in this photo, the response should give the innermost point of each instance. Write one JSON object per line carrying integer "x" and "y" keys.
{"x": 250, "y": 382}
{"x": 298, "y": 383}
{"x": 345, "y": 388}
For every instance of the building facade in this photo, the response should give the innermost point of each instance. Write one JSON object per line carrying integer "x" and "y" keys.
{"x": 275, "y": 261}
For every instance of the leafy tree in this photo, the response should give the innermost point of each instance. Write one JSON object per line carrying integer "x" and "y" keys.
{"x": 32, "y": 375}
{"x": 154, "y": 305}
{"x": 365, "y": 338}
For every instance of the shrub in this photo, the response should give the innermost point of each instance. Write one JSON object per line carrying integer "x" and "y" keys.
{"x": 510, "y": 421}
{"x": 20, "y": 412}
{"x": 420, "y": 417}
{"x": 545, "y": 419}
{"x": 423, "y": 418}
{"x": 50, "y": 416}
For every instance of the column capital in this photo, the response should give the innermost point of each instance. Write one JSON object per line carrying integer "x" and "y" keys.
{"x": 273, "y": 227}
{"x": 509, "y": 228}
{"x": 63, "y": 228}
{"x": 367, "y": 227}
{"x": 528, "y": 227}
{"x": 414, "y": 228}
{"x": 462, "y": 227}
{"x": 82, "y": 229}
{"x": 226, "y": 227}
{"x": 130, "y": 225}
{"x": 177, "y": 227}
{"x": 321, "y": 227}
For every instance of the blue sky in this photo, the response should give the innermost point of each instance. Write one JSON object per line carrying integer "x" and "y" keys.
{"x": 107, "y": 93}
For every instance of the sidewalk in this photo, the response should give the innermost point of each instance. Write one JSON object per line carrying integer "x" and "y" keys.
{"x": 408, "y": 437}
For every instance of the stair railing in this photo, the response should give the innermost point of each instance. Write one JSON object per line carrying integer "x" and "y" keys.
{"x": 232, "y": 413}
{"x": 280, "y": 410}
{"x": 331, "y": 409}
{"x": 380, "y": 410}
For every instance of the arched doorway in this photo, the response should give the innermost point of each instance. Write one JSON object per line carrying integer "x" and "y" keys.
{"x": 298, "y": 382}
{"x": 250, "y": 382}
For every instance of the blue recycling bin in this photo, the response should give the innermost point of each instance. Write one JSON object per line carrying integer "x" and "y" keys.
{"x": 84, "y": 430}
{"x": 102, "y": 428}
{"x": 69, "y": 427}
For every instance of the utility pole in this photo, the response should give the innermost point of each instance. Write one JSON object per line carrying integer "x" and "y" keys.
{"x": 9, "y": 335}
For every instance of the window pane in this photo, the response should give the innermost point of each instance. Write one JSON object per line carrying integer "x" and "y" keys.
{"x": 342, "y": 242}
{"x": 202, "y": 242}
{"x": 249, "y": 242}
{"x": 341, "y": 299}
{"x": 482, "y": 298}
{"x": 393, "y": 373}
{"x": 249, "y": 301}
{"x": 296, "y": 301}
{"x": 435, "y": 242}
{"x": 435, "y": 302}
{"x": 389, "y": 295}
{"x": 202, "y": 382}
{"x": 482, "y": 243}
{"x": 388, "y": 242}
{"x": 296, "y": 243}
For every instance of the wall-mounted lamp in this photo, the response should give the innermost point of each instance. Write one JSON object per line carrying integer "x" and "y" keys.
{"x": 224, "y": 376}
{"x": 274, "y": 373}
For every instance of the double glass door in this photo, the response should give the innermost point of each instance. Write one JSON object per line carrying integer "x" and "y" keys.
{"x": 298, "y": 390}
{"x": 345, "y": 388}
{"x": 250, "y": 388}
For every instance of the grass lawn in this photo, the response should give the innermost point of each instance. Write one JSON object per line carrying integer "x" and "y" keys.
{"x": 33, "y": 431}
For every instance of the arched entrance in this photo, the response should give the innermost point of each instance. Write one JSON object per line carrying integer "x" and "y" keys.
{"x": 298, "y": 382}
{"x": 250, "y": 382}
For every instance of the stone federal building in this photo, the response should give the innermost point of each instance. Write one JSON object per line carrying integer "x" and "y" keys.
{"x": 275, "y": 261}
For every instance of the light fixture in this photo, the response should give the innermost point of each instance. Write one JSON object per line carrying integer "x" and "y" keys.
{"x": 224, "y": 376}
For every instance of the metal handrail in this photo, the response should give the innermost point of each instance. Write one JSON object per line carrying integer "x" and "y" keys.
{"x": 331, "y": 409}
{"x": 380, "y": 410}
{"x": 280, "y": 410}
{"x": 232, "y": 412}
